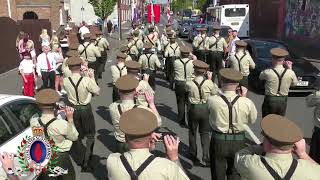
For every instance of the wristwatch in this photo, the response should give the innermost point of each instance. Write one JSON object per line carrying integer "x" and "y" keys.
{"x": 10, "y": 171}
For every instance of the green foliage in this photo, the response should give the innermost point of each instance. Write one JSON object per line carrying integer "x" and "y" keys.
{"x": 201, "y": 4}
{"x": 103, "y": 8}
{"x": 177, "y": 5}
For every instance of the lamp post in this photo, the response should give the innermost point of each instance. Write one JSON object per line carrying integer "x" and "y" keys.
{"x": 119, "y": 19}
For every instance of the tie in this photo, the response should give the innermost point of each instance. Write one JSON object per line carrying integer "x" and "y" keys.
{"x": 48, "y": 63}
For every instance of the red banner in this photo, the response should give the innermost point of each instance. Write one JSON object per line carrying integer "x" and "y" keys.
{"x": 156, "y": 12}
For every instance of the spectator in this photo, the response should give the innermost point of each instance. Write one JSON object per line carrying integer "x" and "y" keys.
{"x": 109, "y": 27}
{"x": 19, "y": 37}
{"x": 46, "y": 66}
{"x": 232, "y": 46}
{"x": 44, "y": 37}
{"x": 28, "y": 75}
{"x": 83, "y": 29}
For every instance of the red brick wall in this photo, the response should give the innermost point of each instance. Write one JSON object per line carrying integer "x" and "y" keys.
{"x": 4, "y": 8}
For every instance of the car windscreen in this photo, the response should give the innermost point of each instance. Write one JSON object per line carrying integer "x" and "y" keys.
{"x": 263, "y": 50}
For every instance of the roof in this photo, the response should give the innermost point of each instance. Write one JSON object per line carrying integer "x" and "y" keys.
{"x": 5, "y": 98}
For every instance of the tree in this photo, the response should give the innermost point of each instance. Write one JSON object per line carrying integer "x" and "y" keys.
{"x": 103, "y": 8}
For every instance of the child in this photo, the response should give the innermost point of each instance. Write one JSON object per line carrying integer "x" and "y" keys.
{"x": 56, "y": 50}
{"x": 27, "y": 72}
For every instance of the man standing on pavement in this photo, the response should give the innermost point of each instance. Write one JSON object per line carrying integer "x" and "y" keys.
{"x": 278, "y": 80}
{"x": 61, "y": 131}
{"x": 79, "y": 91}
{"x": 118, "y": 70}
{"x": 138, "y": 125}
{"x": 182, "y": 72}
{"x": 199, "y": 44}
{"x": 83, "y": 30}
{"x": 242, "y": 61}
{"x": 149, "y": 64}
{"x": 228, "y": 112}
{"x": 274, "y": 158}
{"x": 198, "y": 91}
{"x": 90, "y": 52}
{"x": 46, "y": 66}
{"x": 232, "y": 47}
{"x": 127, "y": 89}
{"x": 217, "y": 46}
{"x": 313, "y": 100}
{"x": 133, "y": 68}
{"x": 171, "y": 53}
{"x": 103, "y": 44}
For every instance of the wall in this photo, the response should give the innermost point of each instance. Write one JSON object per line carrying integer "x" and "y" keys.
{"x": 302, "y": 21}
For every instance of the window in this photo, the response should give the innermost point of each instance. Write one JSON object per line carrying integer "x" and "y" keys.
{"x": 235, "y": 12}
{"x": 23, "y": 111}
{"x": 7, "y": 131}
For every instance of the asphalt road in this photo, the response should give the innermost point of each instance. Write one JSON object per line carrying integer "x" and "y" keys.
{"x": 165, "y": 99}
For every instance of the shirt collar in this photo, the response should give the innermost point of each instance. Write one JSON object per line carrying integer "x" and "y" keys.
{"x": 142, "y": 151}
{"x": 127, "y": 101}
{"x": 229, "y": 93}
{"x": 279, "y": 156}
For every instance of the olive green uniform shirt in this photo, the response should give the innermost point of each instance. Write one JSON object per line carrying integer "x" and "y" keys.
{"x": 133, "y": 49}
{"x": 139, "y": 43}
{"x": 272, "y": 81}
{"x": 102, "y": 43}
{"x": 65, "y": 69}
{"x": 172, "y": 50}
{"x": 243, "y": 112}
{"x": 86, "y": 88}
{"x": 179, "y": 70}
{"x": 115, "y": 72}
{"x": 154, "y": 62}
{"x": 115, "y": 116}
{"x": 215, "y": 43}
{"x": 61, "y": 131}
{"x": 142, "y": 88}
{"x": 250, "y": 167}
{"x": 92, "y": 51}
{"x": 199, "y": 41}
{"x": 207, "y": 89}
{"x": 158, "y": 169}
{"x": 245, "y": 61}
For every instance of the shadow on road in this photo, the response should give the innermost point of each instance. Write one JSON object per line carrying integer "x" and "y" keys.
{"x": 107, "y": 139}
{"x": 186, "y": 166}
{"x": 104, "y": 113}
{"x": 100, "y": 170}
{"x": 166, "y": 111}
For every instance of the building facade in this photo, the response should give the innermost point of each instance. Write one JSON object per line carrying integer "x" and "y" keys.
{"x": 34, "y": 9}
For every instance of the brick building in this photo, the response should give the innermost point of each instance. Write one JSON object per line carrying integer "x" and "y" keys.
{"x": 33, "y": 9}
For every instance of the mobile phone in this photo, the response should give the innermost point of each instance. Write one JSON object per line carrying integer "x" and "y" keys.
{"x": 163, "y": 134}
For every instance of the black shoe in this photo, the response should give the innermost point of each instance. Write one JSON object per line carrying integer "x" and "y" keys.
{"x": 86, "y": 169}
{"x": 100, "y": 76}
{"x": 206, "y": 163}
{"x": 196, "y": 161}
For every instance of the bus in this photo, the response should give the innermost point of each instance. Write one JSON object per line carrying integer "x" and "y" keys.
{"x": 235, "y": 16}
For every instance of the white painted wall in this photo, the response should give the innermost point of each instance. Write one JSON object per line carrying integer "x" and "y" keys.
{"x": 78, "y": 16}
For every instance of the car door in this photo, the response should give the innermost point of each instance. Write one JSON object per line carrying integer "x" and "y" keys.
{"x": 17, "y": 115}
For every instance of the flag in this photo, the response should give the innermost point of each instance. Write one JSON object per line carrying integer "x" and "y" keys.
{"x": 156, "y": 12}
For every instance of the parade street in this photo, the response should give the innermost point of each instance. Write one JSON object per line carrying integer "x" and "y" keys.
{"x": 166, "y": 103}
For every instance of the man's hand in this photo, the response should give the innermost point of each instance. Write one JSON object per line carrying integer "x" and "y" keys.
{"x": 243, "y": 91}
{"x": 25, "y": 80}
{"x": 300, "y": 148}
{"x": 69, "y": 113}
{"x": 171, "y": 145}
{"x": 154, "y": 138}
{"x": 209, "y": 75}
{"x": 146, "y": 77}
{"x": 149, "y": 97}
{"x": 7, "y": 161}
{"x": 288, "y": 64}
{"x": 91, "y": 73}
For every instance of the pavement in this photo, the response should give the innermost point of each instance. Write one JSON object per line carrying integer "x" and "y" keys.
{"x": 165, "y": 101}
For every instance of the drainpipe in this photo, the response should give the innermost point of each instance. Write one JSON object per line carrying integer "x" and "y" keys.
{"x": 9, "y": 8}
{"x": 281, "y": 17}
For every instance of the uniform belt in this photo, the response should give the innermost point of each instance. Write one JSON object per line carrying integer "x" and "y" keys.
{"x": 78, "y": 107}
{"x": 277, "y": 98}
{"x": 228, "y": 137}
{"x": 179, "y": 82}
{"x": 202, "y": 105}
{"x": 45, "y": 70}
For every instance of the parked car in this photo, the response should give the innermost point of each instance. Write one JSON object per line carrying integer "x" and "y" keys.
{"x": 260, "y": 52}
{"x": 15, "y": 115}
{"x": 183, "y": 28}
{"x": 193, "y": 32}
